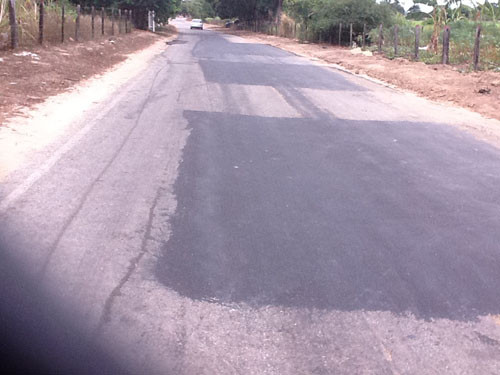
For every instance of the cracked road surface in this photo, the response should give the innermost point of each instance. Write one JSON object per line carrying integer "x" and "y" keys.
{"x": 241, "y": 210}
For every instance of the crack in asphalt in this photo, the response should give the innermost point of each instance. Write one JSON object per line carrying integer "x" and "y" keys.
{"x": 89, "y": 190}
{"x": 106, "y": 314}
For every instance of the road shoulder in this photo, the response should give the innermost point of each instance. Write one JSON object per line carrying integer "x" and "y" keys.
{"x": 49, "y": 125}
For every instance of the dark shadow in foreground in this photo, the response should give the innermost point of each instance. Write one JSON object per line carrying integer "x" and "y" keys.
{"x": 37, "y": 334}
{"x": 345, "y": 215}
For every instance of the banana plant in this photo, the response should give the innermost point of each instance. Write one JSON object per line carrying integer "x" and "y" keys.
{"x": 491, "y": 9}
{"x": 457, "y": 13}
{"x": 439, "y": 16}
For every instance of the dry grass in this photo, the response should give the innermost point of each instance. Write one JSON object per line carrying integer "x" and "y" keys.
{"x": 287, "y": 27}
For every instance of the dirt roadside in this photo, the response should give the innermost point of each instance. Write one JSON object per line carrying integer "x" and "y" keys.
{"x": 44, "y": 106}
{"x": 29, "y": 76}
{"x": 477, "y": 91}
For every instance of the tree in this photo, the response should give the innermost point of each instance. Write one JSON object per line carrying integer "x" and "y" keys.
{"x": 301, "y": 10}
{"x": 439, "y": 17}
{"x": 323, "y": 16}
{"x": 246, "y": 10}
{"x": 396, "y": 6}
{"x": 164, "y": 9}
{"x": 415, "y": 13}
{"x": 198, "y": 8}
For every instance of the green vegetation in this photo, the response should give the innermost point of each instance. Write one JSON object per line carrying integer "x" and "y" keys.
{"x": 319, "y": 19}
{"x": 198, "y": 9}
{"x": 462, "y": 37}
{"x": 245, "y": 10}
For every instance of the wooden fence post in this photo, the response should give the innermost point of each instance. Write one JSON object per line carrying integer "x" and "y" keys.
{"x": 77, "y": 24}
{"x": 125, "y": 14}
{"x": 131, "y": 22}
{"x": 128, "y": 21}
{"x": 380, "y": 37}
{"x": 446, "y": 45}
{"x": 103, "y": 17}
{"x": 476, "y": 47}
{"x": 41, "y": 22}
{"x": 112, "y": 21}
{"x": 396, "y": 40}
{"x": 417, "y": 41}
{"x": 92, "y": 11}
{"x": 63, "y": 21}
{"x": 119, "y": 21}
{"x": 14, "y": 34}
{"x": 350, "y": 35}
{"x": 364, "y": 36}
{"x": 340, "y": 34}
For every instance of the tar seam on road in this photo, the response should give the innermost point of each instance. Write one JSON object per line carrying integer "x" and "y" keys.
{"x": 302, "y": 104}
{"x": 106, "y": 313}
{"x": 92, "y": 185}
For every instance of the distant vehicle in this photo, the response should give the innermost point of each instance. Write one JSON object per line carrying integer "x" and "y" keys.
{"x": 197, "y": 24}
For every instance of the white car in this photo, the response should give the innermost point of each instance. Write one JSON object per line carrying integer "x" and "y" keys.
{"x": 196, "y": 24}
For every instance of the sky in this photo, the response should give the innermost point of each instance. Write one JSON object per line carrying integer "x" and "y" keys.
{"x": 407, "y": 4}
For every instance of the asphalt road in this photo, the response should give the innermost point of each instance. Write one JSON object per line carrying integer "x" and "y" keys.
{"x": 238, "y": 209}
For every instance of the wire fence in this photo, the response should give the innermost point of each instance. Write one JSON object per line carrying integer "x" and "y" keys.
{"x": 472, "y": 45}
{"x": 52, "y": 24}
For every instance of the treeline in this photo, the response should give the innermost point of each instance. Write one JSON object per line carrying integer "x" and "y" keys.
{"x": 164, "y": 9}
{"x": 317, "y": 16}
{"x": 324, "y": 16}
{"x": 245, "y": 10}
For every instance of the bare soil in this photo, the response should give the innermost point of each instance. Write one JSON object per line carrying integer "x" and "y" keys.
{"x": 477, "y": 91}
{"x": 29, "y": 76}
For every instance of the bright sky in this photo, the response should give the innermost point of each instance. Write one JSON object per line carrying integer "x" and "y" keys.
{"x": 407, "y": 4}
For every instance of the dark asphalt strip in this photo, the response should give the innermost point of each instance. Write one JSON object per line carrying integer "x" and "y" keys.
{"x": 315, "y": 214}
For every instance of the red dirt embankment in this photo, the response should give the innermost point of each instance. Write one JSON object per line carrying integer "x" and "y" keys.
{"x": 29, "y": 76}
